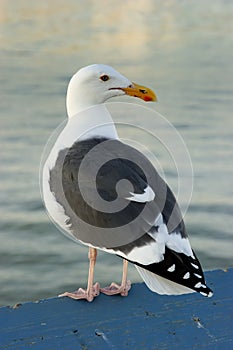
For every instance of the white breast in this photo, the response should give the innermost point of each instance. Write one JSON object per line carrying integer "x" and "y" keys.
{"x": 95, "y": 121}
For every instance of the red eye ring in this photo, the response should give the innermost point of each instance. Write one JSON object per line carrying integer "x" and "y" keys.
{"x": 104, "y": 77}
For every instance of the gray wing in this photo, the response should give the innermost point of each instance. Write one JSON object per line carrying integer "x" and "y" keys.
{"x": 121, "y": 184}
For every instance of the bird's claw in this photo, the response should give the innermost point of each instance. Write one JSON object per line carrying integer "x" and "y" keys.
{"x": 81, "y": 293}
{"x": 115, "y": 288}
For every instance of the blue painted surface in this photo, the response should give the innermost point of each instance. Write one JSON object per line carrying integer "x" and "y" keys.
{"x": 143, "y": 320}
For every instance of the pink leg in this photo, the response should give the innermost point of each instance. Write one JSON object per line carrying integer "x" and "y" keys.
{"x": 92, "y": 290}
{"x": 115, "y": 288}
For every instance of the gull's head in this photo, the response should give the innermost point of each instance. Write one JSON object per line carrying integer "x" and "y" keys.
{"x": 97, "y": 83}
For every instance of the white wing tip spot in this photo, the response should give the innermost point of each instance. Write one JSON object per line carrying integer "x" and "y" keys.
{"x": 209, "y": 295}
{"x": 198, "y": 285}
{"x": 171, "y": 268}
{"x": 198, "y": 276}
{"x": 195, "y": 266}
{"x": 186, "y": 276}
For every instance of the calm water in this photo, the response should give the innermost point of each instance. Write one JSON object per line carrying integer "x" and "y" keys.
{"x": 182, "y": 49}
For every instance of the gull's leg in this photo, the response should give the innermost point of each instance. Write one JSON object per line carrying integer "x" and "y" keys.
{"x": 115, "y": 288}
{"x": 92, "y": 290}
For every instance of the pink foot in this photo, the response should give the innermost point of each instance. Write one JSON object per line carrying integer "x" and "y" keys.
{"x": 83, "y": 294}
{"x": 115, "y": 288}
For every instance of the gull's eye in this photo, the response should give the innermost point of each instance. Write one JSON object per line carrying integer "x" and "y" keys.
{"x": 104, "y": 77}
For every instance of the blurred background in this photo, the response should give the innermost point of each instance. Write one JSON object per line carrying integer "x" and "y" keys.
{"x": 181, "y": 49}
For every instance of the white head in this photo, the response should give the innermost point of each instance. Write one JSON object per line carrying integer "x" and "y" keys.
{"x": 97, "y": 83}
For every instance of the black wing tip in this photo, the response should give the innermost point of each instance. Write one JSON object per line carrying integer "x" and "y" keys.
{"x": 205, "y": 291}
{"x": 181, "y": 269}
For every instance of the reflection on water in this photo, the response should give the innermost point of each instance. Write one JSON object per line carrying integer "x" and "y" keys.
{"x": 183, "y": 50}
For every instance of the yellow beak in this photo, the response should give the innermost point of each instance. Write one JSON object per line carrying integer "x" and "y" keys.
{"x": 140, "y": 91}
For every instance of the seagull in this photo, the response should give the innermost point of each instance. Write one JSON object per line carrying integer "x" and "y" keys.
{"x": 107, "y": 195}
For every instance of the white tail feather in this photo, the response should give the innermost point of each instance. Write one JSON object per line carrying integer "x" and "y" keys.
{"x": 161, "y": 285}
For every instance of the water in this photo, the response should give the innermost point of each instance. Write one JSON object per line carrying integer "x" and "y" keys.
{"x": 182, "y": 49}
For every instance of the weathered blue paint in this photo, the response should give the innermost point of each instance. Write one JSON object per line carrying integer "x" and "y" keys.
{"x": 143, "y": 320}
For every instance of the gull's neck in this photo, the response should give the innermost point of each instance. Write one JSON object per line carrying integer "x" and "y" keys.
{"x": 87, "y": 116}
{"x": 95, "y": 121}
